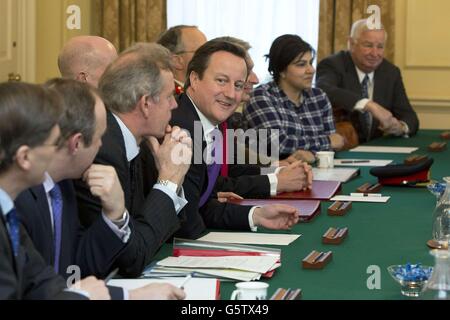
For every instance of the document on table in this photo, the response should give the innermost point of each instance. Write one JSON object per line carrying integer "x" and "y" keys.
{"x": 195, "y": 288}
{"x": 251, "y": 238}
{"x": 335, "y": 174}
{"x": 381, "y": 149}
{"x": 261, "y": 264}
{"x": 362, "y": 198}
{"x": 361, "y": 162}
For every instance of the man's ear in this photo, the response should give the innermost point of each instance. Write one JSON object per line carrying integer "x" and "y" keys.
{"x": 22, "y": 158}
{"x": 82, "y": 77}
{"x": 145, "y": 104}
{"x": 74, "y": 143}
{"x": 178, "y": 62}
{"x": 194, "y": 79}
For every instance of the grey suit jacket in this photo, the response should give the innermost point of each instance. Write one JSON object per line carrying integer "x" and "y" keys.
{"x": 337, "y": 76}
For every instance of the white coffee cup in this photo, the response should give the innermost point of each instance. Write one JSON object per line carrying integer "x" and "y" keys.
{"x": 325, "y": 159}
{"x": 253, "y": 290}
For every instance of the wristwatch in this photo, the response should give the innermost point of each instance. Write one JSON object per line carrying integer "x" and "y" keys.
{"x": 169, "y": 184}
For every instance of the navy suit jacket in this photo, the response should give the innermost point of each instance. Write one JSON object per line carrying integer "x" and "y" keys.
{"x": 27, "y": 276}
{"x": 153, "y": 218}
{"x": 212, "y": 214}
{"x": 337, "y": 76}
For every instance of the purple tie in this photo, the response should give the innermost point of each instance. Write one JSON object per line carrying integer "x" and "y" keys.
{"x": 213, "y": 168}
{"x": 57, "y": 205}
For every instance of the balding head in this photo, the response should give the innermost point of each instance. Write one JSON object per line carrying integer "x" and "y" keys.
{"x": 85, "y": 58}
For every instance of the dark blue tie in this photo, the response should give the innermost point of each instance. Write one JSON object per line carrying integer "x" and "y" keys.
{"x": 367, "y": 116}
{"x": 57, "y": 205}
{"x": 13, "y": 226}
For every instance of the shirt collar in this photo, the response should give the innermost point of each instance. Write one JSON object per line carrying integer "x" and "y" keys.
{"x": 131, "y": 146}
{"x": 179, "y": 83}
{"x": 6, "y": 203}
{"x": 208, "y": 126}
{"x": 48, "y": 184}
{"x": 362, "y": 74}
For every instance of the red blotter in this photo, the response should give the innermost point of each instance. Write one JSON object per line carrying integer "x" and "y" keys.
{"x": 321, "y": 190}
{"x": 308, "y": 208}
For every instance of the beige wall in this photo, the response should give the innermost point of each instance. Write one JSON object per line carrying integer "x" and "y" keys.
{"x": 51, "y": 33}
{"x": 423, "y": 54}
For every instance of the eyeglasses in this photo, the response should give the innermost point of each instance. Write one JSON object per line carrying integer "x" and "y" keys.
{"x": 189, "y": 51}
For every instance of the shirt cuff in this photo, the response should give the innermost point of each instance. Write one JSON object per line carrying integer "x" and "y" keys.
{"x": 250, "y": 219}
{"x": 179, "y": 200}
{"x": 119, "y": 227}
{"x": 273, "y": 181}
{"x": 126, "y": 294}
{"x": 359, "y": 106}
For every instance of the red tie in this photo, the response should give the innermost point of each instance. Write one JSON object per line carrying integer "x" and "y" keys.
{"x": 224, "y": 168}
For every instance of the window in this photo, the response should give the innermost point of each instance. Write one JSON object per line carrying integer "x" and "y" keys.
{"x": 257, "y": 21}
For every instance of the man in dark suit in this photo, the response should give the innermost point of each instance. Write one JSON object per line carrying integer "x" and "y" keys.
{"x": 28, "y": 140}
{"x": 55, "y": 231}
{"x": 366, "y": 87}
{"x": 138, "y": 91}
{"x": 217, "y": 74}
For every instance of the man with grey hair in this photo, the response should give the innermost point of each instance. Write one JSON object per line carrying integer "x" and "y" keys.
{"x": 138, "y": 92}
{"x": 182, "y": 41}
{"x": 85, "y": 58}
{"x": 368, "y": 88}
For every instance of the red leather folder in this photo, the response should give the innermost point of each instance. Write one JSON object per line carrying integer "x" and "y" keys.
{"x": 321, "y": 190}
{"x": 308, "y": 208}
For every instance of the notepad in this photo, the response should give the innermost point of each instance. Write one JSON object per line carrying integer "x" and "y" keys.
{"x": 382, "y": 149}
{"x": 335, "y": 174}
{"x": 362, "y": 199}
{"x": 251, "y": 238}
{"x": 195, "y": 288}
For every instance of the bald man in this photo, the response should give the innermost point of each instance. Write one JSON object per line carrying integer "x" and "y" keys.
{"x": 85, "y": 58}
{"x": 182, "y": 41}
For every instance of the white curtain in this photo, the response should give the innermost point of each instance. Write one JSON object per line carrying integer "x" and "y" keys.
{"x": 257, "y": 21}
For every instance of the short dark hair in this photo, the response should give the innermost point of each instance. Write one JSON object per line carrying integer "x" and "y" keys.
{"x": 28, "y": 113}
{"x": 79, "y": 108}
{"x": 283, "y": 51}
{"x": 171, "y": 38}
{"x": 202, "y": 56}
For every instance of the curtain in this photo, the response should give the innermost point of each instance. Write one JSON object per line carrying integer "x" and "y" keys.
{"x": 337, "y": 16}
{"x": 124, "y": 22}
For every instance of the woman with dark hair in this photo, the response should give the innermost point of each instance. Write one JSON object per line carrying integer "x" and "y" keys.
{"x": 302, "y": 114}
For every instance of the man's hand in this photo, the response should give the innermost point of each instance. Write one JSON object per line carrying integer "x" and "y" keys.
{"x": 396, "y": 128}
{"x": 157, "y": 291}
{"x": 337, "y": 141}
{"x": 383, "y": 115}
{"x": 275, "y": 216}
{"x": 224, "y": 196}
{"x": 173, "y": 156}
{"x": 104, "y": 183}
{"x": 305, "y": 156}
{"x": 96, "y": 288}
{"x": 294, "y": 177}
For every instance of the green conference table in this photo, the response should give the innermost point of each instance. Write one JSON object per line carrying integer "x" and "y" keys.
{"x": 379, "y": 234}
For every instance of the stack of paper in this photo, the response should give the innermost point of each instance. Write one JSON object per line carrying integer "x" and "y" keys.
{"x": 335, "y": 174}
{"x": 220, "y": 260}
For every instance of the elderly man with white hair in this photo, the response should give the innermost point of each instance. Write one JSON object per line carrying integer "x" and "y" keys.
{"x": 366, "y": 87}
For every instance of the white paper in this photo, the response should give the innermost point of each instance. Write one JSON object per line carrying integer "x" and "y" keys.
{"x": 361, "y": 199}
{"x": 251, "y": 238}
{"x": 227, "y": 274}
{"x": 260, "y": 264}
{"x": 381, "y": 149}
{"x": 369, "y": 163}
{"x": 195, "y": 288}
{"x": 334, "y": 174}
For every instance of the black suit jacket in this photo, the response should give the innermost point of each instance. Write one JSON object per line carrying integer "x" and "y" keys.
{"x": 153, "y": 218}
{"x": 27, "y": 276}
{"x": 93, "y": 249}
{"x": 213, "y": 214}
{"x": 337, "y": 76}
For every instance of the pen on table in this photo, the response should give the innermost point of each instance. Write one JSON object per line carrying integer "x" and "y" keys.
{"x": 185, "y": 281}
{"x": 355, "y": 194}
{"x": 355, "y": 161}
{"x": 318, "y": 257}
{"x": 111, "y": 275}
